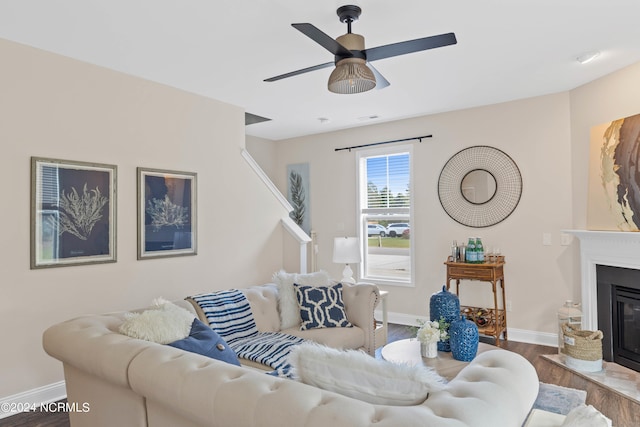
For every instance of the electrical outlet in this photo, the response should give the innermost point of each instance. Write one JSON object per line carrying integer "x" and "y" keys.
{"x": 565, "y": 239}
{"x": 546, "y": 239}
{"x": 508, "y": 305}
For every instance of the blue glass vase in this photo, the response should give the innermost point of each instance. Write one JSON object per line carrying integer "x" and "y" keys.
{"x": 444, "y": 305}
{"x": 463, "y": 337}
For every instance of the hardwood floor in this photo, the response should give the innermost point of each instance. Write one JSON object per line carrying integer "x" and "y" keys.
{"x": 620, "y": 412}
{"x": 37, "y": 419}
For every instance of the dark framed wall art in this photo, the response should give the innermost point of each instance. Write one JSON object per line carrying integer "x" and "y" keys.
{"x": 167, "y": 213}
{"x": 73, "y": 213}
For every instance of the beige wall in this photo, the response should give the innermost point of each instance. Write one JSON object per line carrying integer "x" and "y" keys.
{"x": 263, "y": 152}
{"x": 547, "y": 136}
{"x": 534, "y": 132}
{"x": 52, "y": 106}
{"x": 612, "y": 97}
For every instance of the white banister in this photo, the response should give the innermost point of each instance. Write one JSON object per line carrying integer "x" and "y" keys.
{"x": 301, "y": 237}
{"x": 267, "y": 181}
{"x": 289, "y": 224}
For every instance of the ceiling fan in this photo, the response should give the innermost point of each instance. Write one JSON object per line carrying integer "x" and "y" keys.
{"x": 353, "y": 71}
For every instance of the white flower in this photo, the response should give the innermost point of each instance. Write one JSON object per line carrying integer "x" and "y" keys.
{"x": 432, "y": 331}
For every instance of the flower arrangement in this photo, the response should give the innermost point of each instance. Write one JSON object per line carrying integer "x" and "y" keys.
{"x": 432, "y": 331}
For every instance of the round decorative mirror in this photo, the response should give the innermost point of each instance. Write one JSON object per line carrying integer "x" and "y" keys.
{"x": 479, "y": 186}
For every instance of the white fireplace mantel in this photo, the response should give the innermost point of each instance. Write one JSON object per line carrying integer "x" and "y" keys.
{"x": 614, "y": 248}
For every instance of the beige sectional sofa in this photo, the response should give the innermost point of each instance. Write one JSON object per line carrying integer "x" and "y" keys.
{"x": 131, "y": 382}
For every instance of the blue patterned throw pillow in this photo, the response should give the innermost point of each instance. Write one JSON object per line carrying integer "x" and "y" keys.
{"x": 321, "y": 307}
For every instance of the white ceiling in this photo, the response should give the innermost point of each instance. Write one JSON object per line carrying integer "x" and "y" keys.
{"x": 223, "y": 49}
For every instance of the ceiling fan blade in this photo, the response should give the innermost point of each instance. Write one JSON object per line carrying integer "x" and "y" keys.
{"x": 410, "y": 46}
{"x": 381, "y": 82}
{"x": 302, "y": 71}
{"x": 323, "y": 39}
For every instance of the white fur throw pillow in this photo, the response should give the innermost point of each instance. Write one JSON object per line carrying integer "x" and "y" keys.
{"x": 163, "y": 324}
{"x": 287, "y": 301}
{"x": 355, "y": 374}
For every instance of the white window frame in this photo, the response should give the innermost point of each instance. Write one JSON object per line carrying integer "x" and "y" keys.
{"x": 361, "y": 203}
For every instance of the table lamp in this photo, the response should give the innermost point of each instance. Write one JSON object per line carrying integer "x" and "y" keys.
{"x": 346, "y": 250}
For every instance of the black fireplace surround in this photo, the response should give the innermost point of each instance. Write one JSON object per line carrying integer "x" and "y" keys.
{"x": 618, "y": 298}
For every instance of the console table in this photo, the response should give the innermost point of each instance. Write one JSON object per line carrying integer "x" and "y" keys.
{"x": 495, "y": 319}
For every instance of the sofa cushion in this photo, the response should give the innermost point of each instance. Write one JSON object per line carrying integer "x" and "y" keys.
{"x": 164, "y": 323}
{"x": 263, "y": 300}
{"x": 205, "y": 341}
{"x": 352, "y": 338}
{"x": 321, "y": 306}
{"x": 355, "y": 374}
{"x": 288, "y": 303}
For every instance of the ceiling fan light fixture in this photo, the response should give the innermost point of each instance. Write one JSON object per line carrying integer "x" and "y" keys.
{"x": 351, "y": 75}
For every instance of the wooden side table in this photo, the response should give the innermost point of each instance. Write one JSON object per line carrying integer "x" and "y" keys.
{"x": 493, "y": 272}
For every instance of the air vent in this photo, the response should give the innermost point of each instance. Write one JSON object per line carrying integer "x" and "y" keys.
{"x": 250, "y": 119}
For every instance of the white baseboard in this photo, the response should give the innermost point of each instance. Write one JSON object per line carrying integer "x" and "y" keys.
{"x": 28, "y": 400}
{"x": 533, "y": 337}
{"x": 519, "y": 335}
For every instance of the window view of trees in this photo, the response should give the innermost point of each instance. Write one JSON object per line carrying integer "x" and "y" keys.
{"x": 384, "y": 199}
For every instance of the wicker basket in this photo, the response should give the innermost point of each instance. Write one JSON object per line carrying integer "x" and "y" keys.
{"x": 582, "y": 345}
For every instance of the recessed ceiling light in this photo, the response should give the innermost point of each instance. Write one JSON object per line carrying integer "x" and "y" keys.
{"x": 371, "y": 117}
{"x": 588, "y": 57}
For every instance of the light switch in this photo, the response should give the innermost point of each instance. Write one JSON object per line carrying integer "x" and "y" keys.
{"x": 565, "y": 239}
{"x": 546, "y": 239}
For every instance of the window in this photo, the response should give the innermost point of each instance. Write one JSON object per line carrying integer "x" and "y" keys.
{"x": 384, "y": 210}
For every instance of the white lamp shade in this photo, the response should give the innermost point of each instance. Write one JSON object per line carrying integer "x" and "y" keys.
{"x": 346, "y": 250}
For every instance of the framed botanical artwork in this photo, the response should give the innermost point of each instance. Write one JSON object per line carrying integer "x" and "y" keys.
{"x": 166, "y": 213}
{"x": 73, "y": 213}
{"x": 298, "y": 195}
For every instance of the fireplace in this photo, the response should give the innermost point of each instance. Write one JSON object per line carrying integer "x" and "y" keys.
{"x": 618, "y": 296}
{"x": 604, "y": 254}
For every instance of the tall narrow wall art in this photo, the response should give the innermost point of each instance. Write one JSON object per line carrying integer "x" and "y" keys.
{"x": 298, "y": 195}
